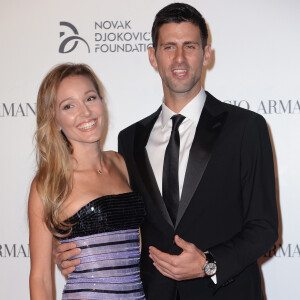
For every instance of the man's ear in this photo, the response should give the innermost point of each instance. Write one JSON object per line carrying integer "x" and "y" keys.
{"x": 207, "y": 55}
{"x": 152, "y": 57}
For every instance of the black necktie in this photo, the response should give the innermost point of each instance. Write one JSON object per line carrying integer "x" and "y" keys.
{"x": 170, "y": 186}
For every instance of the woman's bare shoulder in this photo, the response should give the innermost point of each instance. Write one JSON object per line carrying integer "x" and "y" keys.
{"x": 117, "y": 160}
{"x": 113, "y": 156}
{"x": 33, "y": 189}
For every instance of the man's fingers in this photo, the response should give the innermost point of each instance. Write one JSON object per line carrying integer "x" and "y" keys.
{"x": 159, "y": 255}
{"x": 187, "y": 265}
{"x": 161, "y": 263}
{"x": 163, "y": 271}
{"x": 182, "y": 243}
{"x": 67, "y": 271}
{"x": 64, "y": 259}
{"x": 58, "y": 248}
{"x": 169, "y": 266}
{"x": 66, "y": 264}
{"x": 171, "y": 272}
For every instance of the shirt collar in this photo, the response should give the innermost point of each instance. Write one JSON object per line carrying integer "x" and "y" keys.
{"x": 191, "y": 111}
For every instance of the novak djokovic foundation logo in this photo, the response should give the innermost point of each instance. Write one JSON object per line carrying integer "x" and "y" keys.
{"x": 17, "y": 109}
{"x": 70, "y": 43}
{"x": 105, "y": 36}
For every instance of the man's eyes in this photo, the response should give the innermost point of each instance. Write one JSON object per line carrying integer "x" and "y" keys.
{"x": 190, "y": 46}
{"x": 169, "y": 47}
{"x": 187, "y": 47}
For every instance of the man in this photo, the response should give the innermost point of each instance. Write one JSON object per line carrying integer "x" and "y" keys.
{"x": 206, "y": 176}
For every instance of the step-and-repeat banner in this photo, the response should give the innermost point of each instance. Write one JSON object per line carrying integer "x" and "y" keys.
{"x": 256, "y": 65}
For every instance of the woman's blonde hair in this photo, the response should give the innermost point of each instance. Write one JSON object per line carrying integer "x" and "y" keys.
{"x": 55, "y": 172}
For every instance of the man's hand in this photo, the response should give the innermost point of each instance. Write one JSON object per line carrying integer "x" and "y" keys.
{"x": 61, "y": 255}
{"x": 187, "y": 265}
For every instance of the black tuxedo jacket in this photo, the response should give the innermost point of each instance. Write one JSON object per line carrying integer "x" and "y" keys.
{"x": 227, "y": 205}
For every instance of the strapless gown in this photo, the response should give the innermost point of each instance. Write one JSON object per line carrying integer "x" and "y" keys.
{"x": 106, "y": 230}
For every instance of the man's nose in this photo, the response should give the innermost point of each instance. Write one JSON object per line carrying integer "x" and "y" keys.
{"x": 179, "y": 55}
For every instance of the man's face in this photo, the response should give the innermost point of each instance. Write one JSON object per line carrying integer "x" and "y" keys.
{"x": 179, "y": 59}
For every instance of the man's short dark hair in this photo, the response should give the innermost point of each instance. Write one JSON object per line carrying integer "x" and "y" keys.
{"x": 178, "y": 13}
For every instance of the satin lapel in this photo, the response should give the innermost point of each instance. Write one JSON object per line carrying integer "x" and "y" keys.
{"x": 208, "y": 129}
{"x": 143, "y": 164}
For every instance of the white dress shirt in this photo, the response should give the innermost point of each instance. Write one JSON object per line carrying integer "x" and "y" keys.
{"x": 161, "y": 132}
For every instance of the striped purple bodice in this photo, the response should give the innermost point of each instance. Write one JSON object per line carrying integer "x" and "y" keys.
{"x": 106, "y": 230}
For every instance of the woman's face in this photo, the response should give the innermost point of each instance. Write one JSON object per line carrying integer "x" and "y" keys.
{"x": 79, "y": 110}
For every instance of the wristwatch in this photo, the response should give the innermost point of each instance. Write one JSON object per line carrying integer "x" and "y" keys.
{"x": 210, "y": 267}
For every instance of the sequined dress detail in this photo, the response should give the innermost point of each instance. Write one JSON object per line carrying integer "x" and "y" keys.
{"x": 106, "y": 230}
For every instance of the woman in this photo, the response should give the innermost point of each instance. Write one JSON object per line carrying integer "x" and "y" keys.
{"x": 81, "y": 194}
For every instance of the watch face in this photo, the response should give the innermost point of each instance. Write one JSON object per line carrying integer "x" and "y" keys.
{"x": 210, "y": 269}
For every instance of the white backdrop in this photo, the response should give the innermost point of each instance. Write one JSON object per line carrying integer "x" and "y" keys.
{"x": 256, "y": 64}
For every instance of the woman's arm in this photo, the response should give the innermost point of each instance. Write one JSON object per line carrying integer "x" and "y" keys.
{"x": 40, "y": 241}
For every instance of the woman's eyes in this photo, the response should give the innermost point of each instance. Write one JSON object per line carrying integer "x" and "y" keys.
{"x": 67, "y": 106}
{"x": 91, "y": 98}
{"x": 71, "y": 105}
